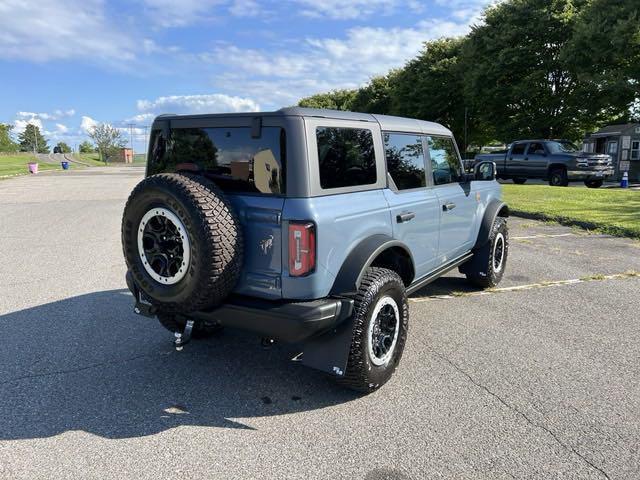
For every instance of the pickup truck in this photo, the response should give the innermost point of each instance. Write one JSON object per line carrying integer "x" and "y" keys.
{"x": 558, "y": 161}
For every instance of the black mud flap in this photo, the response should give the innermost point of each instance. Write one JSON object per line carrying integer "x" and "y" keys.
{"x": 329, "y": 352}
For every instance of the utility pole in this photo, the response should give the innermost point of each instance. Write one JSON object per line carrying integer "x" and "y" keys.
{"x": 465, "y": 133}
{"x": 146, "y": 141}
{"x": 131, "y": 126}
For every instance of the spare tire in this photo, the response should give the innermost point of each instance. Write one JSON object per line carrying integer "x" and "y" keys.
{"x": 182, "y": 242}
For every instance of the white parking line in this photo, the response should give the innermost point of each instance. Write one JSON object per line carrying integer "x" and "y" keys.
{"x": 530, "y": 286}
{"x": 544, "y": 235}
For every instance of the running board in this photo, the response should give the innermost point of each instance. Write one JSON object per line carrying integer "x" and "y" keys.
{"x": 424, "y": 281}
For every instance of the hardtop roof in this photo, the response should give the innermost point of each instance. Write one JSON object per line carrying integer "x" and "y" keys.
{"x": 386, "y": 122}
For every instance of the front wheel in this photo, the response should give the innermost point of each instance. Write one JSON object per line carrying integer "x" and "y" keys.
{"x": 593, "y": 183}
{"x": 380, "y": 330}
{"x": 558, "y": 178}
{"x": 487, "y": 266}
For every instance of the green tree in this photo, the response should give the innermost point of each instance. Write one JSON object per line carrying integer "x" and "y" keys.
{"x": 375, "y": 97}
{"x": 604, "y": 51}
{"x": 6, "y": 142}
{"x": 108, "y": 140}
{"x": 334, "y": 100}
{"x": 64, "y": 148}
{"x": 87, "y": 147}
{"x": 517, "y": 77}
{"x": 431, "y": 87}
{"x": 31, "y": 140}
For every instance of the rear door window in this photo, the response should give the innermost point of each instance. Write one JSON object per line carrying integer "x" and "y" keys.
{"x": 518, "y": 149}
{"x": 235, "y": 160}
{"x": 346, "y": 157}
{"x": 405, "y": 160}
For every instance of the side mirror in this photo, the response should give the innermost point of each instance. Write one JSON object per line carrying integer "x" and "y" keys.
{"x": 485, "y": 171}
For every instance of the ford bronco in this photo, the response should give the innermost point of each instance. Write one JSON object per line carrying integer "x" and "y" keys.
{"x": 307, "y": 226}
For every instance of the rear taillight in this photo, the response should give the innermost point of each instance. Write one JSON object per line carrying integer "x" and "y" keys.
{"x": 302, "y": 248}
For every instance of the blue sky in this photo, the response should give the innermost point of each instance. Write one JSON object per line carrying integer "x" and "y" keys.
{"x": 67, "y": 64}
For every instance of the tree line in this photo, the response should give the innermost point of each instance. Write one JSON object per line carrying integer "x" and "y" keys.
{"x": 107, "y": 141}
{"x": 529, "y": 69}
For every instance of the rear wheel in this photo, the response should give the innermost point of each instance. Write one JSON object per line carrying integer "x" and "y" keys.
{"x": 487, "y": 266}
{"x": 380, "y": 330}
{"x": 558, "y": 177}
{"x": 593, "y": 183}
{"x": 519, "y": 181}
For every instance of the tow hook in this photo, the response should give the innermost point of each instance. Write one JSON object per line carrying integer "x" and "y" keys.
{"x": 183, "y": 338}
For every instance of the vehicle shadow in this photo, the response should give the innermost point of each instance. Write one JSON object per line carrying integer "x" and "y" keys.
{"x": 447, "y": 285}
{"x": 88, "y": 363}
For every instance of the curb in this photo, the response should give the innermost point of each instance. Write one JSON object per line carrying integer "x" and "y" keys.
{"x": 570, "y": 222}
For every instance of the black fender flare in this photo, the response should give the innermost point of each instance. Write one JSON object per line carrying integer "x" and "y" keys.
{"x": 360, "y": 258}
{"x": 496, "y": 208}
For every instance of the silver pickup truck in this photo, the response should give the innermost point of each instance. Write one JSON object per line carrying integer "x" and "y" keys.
{"x": 558, "y": 161}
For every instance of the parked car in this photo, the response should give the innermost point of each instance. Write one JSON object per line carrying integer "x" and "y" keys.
{"x": 57, "y": 149}
{"x": 307, "y": 226}
{"x": 558, "y": 161}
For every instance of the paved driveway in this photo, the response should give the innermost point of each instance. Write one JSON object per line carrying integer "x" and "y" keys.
{"x": 539, "y": 379}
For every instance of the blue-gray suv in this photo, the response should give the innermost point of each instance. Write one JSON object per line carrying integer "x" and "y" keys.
{"x": 307, "y": 226}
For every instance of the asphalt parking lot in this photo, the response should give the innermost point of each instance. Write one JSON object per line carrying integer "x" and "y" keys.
{"x": 537, "y": 379}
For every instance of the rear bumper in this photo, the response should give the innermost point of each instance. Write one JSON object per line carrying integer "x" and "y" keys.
{"x": 282, "y": 320}
{"x": 589, "y": 174}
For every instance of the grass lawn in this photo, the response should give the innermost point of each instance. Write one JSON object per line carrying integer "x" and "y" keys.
{"x": 612, "y": 211}
{"x": 93, "y": 159}
{"x": 17, "y": 163}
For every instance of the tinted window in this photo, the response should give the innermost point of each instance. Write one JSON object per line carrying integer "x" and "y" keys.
{"x": 229, "y": 156}
{"x": 535, "y": 148}
{"x": 518, "y": 149}
{"x": 405, "y": 160}
{"x": 445, "y": 163}
{"x": 346, "y": 157}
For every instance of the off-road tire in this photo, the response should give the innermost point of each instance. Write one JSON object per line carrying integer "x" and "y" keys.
{"x": 481, "y": 270}
{"x": 558, "y": 177}
{"x": 361, "y": 373}
{"x": 214, "y": 233}
{"x": 519, "y": 181}
{"x": 593, "y": 183}
{"x": 176, "y": 323}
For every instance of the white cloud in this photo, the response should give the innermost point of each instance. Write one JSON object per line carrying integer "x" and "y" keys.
{"x": 61, "y": 128}
{"x": 172, "y": 13}
{"x": 87, "y": 124}
{"x": 354, "y": 9}
{"x": 20, "y": 125}
{"x": 55, "y": 115}
{"x": 245, "y": 8}
{"x": 197, "y": 104}
{"x": 141, "y": 118}
{"x": 323, "y": 64}
{"x": 61, "y": 29}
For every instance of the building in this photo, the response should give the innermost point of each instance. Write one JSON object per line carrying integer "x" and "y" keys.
{"x": 125, "y": 155}
{"x": 622, "y": 142}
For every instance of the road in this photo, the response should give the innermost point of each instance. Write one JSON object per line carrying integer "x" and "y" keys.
{"x": 539, "y": 379}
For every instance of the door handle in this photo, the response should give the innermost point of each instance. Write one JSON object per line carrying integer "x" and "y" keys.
{"x": 448, "y": 206}
{"x": 405, "y": 217}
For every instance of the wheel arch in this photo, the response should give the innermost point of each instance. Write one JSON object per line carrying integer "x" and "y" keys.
{"x": 495, "y": 209}
{"x": 377, "y": 250}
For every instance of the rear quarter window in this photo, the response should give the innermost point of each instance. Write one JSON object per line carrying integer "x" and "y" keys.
{"x": 346, "y": 157}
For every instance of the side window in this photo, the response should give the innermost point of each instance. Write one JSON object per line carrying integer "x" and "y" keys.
{"x": 445, "y": 164}
{"x": 405, "y": 160}
{"x": 518, "y": 149}
{"x": 346, "y": 157}
{"x": 535, "y": 148}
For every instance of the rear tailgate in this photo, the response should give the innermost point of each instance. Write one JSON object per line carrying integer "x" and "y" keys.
{"x": 261, "y": 219}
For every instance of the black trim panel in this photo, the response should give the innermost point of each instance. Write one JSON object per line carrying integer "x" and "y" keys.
{"x": 426, "y": 280}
